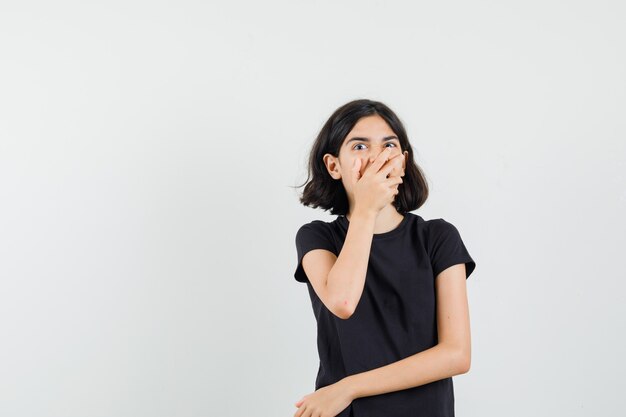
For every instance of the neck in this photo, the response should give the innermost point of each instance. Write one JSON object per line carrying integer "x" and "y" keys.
{"x": 387, "y": 219}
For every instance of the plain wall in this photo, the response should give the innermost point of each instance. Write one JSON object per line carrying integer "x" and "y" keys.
{"x": 147, "y": 219}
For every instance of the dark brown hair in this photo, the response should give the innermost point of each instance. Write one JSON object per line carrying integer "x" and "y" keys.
{"x": 322, "y": 190}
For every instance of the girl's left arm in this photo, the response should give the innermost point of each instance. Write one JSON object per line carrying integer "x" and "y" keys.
{"x": 451, "y": 356}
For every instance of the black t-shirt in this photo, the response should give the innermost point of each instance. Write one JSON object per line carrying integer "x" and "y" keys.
{"x": 396, "y": 315}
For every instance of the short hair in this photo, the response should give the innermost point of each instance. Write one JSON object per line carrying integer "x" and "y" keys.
{"x": 323, "y": 191}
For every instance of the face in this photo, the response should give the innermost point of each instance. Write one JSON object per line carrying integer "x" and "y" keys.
{"x": 369, "y": 137}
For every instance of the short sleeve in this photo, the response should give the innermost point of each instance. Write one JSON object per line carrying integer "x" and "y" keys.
{"x": 313, "y": 235}
{"x": 446, "y": 248}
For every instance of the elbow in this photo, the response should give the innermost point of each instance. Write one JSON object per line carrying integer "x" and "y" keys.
{"x": 343, "y": 310}
{"x": 341, "y": 307}
{"x": 462, "y": 360}
{"x": 464, "y": 367}
{"x": 459, "y": 359}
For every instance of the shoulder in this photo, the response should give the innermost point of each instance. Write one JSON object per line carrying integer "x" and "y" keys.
{"x": 313, "y": 235}
{"x": 316, "y": 232}
{"x": 440, "y": 232}
{"x": 314, "y": 226}
{"x": 437, "y": 227}
{"x": 433, "y": 228}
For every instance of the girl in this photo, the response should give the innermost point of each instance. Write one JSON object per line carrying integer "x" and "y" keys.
{"x": 388, "y": 288}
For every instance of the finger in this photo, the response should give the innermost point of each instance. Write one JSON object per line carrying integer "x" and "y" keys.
{"x": 356, "y": 170}
{"x": 395, "y": 163}
{"x": 395, "y": 172}
{"x": 301, "y": 412}
{"x": 399, "y": 162}
{"x": 378, "y": 162}
{"x": 394, "y": 181}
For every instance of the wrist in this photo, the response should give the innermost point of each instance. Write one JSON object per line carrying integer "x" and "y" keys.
{"x": 366, "y": 214}
{"x": 349, "y": 387}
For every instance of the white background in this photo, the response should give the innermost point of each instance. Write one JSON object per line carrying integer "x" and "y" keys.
{"x": 147, "y": 219}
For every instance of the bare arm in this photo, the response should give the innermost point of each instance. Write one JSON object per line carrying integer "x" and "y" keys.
{"x": 346, "y": 278}
{"x": 430, "y": 365}
{"x": 451, "y": 356}
{"x": 339, "y": 280}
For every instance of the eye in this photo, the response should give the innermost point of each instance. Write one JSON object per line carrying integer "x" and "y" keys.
{"x": 361, "y": 144}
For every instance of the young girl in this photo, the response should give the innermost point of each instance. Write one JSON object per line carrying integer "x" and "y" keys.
{"x": 388, "y": 288}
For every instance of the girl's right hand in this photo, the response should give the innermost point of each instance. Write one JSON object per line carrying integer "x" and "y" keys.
{"x": 373, "y": 191}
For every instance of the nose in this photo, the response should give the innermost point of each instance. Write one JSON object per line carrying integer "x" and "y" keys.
{"x": 375, "y": 154}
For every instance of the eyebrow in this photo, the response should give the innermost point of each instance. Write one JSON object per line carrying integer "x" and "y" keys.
{"x": 357, "y": 138}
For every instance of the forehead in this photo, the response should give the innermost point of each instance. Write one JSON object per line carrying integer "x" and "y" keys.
{"x": 374, "y": 126}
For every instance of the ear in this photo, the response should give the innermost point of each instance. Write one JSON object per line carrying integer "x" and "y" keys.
{"x": 406, "y": 157}
{"x": 332, "y": 165}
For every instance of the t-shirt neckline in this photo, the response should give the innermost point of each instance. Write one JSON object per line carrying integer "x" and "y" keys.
{"x": 345, "y": 222}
